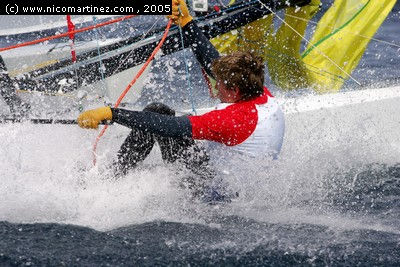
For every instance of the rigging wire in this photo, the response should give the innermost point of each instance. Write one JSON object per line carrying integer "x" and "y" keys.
{"x": 131, "y": 52}
{"x": 356, "y": 34}
{"x": 71, "y": 28}
{"x": 276, "y": 54}
{"x": 123, "y": 94}
{"x": 308, "y": 42}
{"x": 333, "y": 28}
{"x": 187, "y": 70}
{"x": 101, "y": 66}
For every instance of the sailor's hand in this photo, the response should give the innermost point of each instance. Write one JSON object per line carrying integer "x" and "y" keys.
{"x": 180, "y": 13}
{"x": 90, "y": 119}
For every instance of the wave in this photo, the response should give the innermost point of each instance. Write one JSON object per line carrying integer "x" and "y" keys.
{"x": 332, "y": 177}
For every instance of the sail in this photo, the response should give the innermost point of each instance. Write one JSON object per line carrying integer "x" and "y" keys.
{"x": 286, "y": 68}
{"x": 279, "y": 49}
{"x": 343, "y": 34}
{"x": 332, "y": 53}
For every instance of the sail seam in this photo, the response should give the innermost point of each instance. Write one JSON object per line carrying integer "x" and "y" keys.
{"x": 333, "y": 33}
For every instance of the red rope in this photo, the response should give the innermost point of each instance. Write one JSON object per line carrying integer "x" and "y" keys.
{"x": 130, "y": 85}
{"x": 66, "y": 33}
{"x": 71, "y": 28}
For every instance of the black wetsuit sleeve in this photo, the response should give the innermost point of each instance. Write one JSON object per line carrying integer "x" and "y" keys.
{"x": 155, "y": 123}
{"x": 202, "y": 48}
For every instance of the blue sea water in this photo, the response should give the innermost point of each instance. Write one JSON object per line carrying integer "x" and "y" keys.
{"x": 344, "y": 213}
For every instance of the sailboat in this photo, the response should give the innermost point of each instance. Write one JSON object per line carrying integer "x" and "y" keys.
{"x": 326, "y": 63}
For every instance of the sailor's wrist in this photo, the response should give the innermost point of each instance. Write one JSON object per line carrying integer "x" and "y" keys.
{"x": 114, "y": 113}
{"x": 189, "y": 25}
{"x": 186, "y": 20}
{"x": 190, "y": 32}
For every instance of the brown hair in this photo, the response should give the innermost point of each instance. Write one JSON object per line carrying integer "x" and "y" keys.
{"x": 244, "y": 70}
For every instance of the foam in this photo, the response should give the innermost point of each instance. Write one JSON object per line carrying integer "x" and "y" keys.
{"x": 47, "y": 174}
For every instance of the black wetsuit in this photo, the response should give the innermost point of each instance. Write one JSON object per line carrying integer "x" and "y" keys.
{"x": 157, "y": 123}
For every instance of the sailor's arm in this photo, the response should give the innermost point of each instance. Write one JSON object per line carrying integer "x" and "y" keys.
{"x": 146, "y": 121}
{"x": 202, "y": 48}
{"x": 204, "y": 51}
{"x": 218, "y": 125}
{"x": 154, "y": 123}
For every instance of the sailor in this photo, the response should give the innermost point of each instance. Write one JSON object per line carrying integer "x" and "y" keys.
{"x": 247, "y": 122}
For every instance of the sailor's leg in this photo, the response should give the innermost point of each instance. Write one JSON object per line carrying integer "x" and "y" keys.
{"x": 191, "y": 155}
{"x": 184, "y": 151}
{"x": 202, "y": 179}
{"x": 136, "y": 147}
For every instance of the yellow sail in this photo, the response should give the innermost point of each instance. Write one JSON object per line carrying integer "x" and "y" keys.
{"x": 285, "y": 64}
{"x": 333, "y": 52}
{"x": 343, "y": 34}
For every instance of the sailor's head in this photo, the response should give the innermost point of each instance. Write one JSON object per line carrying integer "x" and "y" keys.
{"x": 240, "y": 76}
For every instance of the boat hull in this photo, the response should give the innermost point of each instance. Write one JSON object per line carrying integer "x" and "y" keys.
{"x": 363, "y": 124}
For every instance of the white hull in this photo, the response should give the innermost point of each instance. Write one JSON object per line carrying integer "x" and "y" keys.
{"x": 366, "y": 121}
{"x": 343, "y": 127}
